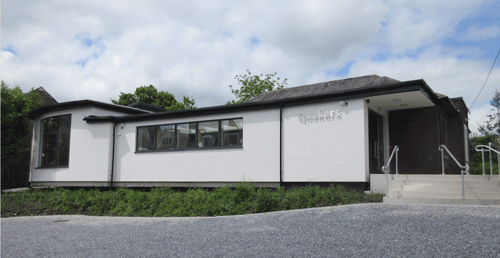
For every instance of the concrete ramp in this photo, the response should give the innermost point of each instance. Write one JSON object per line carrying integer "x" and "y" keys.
{"x": 443, "y": 189}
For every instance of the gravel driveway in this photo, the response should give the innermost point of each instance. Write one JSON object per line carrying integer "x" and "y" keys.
{"x": 365, "y": 230}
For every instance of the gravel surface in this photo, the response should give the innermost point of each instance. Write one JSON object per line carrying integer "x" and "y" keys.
{"x": 365, "y": 230}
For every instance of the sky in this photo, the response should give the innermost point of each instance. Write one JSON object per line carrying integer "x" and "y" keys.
{"x": 96, "y": 49}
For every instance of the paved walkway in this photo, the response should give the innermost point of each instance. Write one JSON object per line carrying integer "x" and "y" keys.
{"x": 366, "y": 230}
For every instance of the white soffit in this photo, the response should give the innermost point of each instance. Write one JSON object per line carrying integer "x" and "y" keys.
{"x": 399, "y": 101}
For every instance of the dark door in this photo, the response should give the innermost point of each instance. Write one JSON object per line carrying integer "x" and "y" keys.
{"x": 417, "y": 133}
{"x": 376, "y": 142}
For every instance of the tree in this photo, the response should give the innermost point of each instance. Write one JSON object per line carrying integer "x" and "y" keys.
{"x": 492, "y": 126}
{"x": 476, "y": 164}
{"x": 149, "y": 94}
{"x": 253, "y": 85}
{"x": 186, "y": 103}
{"x": 15, "y": 123}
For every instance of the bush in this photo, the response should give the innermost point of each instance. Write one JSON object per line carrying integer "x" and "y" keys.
{"x": 245, "y": 198}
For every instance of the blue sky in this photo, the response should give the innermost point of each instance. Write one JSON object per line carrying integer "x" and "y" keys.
{"x": 97, "y": 49}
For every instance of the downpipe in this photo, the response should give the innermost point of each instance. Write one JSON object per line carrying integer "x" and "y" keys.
{"x": 113, "y": 155}
{"x": 281, "y": 144}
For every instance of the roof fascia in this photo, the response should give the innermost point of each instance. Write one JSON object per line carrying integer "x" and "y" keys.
{"x": 357, "y": 93}
{"x": 83, "y": 103}
{"x": 186, "y": 113}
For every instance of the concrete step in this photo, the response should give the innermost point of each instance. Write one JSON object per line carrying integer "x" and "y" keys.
{"x": 434, "y": 201}
{"x": 401, "y": 183}
{"x": 445, "y": 188}
{"x": 445, "y": 195}
{"x": 445, "y": 177}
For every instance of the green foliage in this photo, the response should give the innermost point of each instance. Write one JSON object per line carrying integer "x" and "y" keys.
{"x": 151, "y": 95}
{"x": 245, "y": 198}
{"x": 15, "y": 108}
{"x": 186, "y": 103}
{"x": 476, "y": 164}
{"x": 253, "y": 85}
{"x": 492, "y": 125}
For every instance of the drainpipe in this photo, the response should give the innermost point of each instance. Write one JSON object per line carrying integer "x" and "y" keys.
{"x": 113, "y": 155}
{"x": 281, "y": 144}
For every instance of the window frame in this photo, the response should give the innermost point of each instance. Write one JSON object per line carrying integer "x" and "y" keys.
{"x": 42, "y": 143}
{"x": 176, "y": 148}
{"x": 223, "y": 133}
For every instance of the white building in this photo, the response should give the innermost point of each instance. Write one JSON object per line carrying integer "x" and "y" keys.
{"x": 334, "y": 132}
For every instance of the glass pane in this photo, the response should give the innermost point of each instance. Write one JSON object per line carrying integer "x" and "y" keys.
{"x": 43, "y": 148}
{"x": 208, "y": 134}
{"x": 232, "y": 132}
{"x": 146, "y": 138}
{"x": 64, "y": 136}
{"x": 166, "y": 137}
{"x": 49, "y": 141}
{"x": 186, "y": 136}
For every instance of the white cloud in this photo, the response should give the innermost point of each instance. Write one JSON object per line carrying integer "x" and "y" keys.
{"x": 476, "y": 33}
{"x": 195, "y": 48}
{"x": 445, "y": 74}
{"x": 479, "y": 116}
{"x": 415, "y": 24}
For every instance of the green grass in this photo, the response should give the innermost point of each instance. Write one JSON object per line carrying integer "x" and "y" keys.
{"x": 167, "y": 202}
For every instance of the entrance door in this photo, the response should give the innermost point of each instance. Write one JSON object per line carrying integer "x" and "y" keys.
{"x": 376, "y": 142}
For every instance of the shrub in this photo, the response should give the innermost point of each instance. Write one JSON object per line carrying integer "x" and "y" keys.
{"x": 243, "y": 199}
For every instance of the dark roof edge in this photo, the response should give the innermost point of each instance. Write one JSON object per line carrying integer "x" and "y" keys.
{"x": 146, "y": 106}
{"x": 444, "y": 102}
{"x": 99, "y": 119}
{"x": 183, "y": 113}
{"x": 83, "y": 103}
{"x": 406, "y": 86}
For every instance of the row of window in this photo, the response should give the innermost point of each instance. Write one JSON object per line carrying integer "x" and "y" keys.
{"x": 55, "y": 137}
{"x": 55, "y": 141}
{"x": 208, "y": 134}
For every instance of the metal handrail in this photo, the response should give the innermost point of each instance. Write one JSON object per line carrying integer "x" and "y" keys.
{"x": 464, "y": 169}
{"x": 489, "y": 148}
{"x": 385, "y": 168}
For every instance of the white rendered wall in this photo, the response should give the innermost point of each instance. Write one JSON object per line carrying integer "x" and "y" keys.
{"x": 326, "y": 151}
{"x": 90, "y": 149}
{"x": 257, "y": 161}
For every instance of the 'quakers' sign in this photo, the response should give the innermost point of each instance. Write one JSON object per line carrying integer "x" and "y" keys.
{"x": 321, "y": 116}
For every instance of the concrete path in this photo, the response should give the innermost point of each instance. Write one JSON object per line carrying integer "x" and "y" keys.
{"x": 366, "y": 230}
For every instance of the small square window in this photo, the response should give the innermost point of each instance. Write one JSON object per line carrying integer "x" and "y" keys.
{"x": 186, "y": 136}
{"x": 208, "y": 134}
{"x": 166, "y": 137}
{"x": 146, "y": 138}
{"x": 232, "y": 132}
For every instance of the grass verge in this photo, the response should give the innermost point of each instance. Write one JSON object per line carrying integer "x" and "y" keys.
{"x": 167, "y": 202}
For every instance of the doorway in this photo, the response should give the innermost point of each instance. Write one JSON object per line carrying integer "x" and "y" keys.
{"x": 376, "y": 143}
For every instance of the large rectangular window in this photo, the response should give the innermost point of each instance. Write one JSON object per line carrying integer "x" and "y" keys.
{"x": 194, "y": 135}
{"x": 55, "y": 141}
